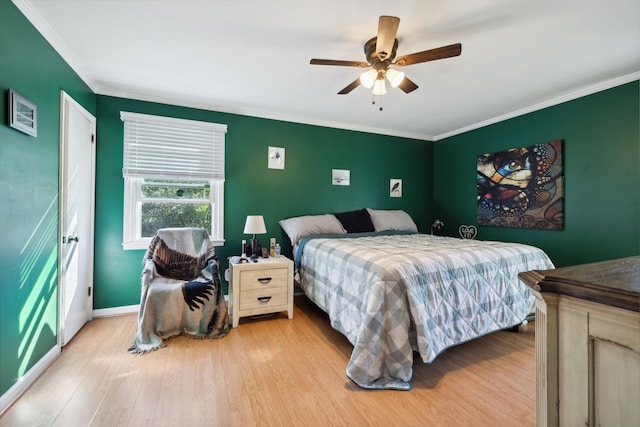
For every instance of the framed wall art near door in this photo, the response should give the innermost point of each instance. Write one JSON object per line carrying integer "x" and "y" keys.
{"x": 22, "y": 113}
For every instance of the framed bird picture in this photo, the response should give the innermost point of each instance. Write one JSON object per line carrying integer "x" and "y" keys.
{"x": 276, "y": 158}
{"x": 395, "y": 187}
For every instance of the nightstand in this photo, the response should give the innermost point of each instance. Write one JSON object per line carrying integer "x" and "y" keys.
{"x": 261, "y": 287}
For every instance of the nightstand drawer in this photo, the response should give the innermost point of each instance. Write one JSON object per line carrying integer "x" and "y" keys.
{"x": 263, "y": 279}
{"x": 263, "y": 298}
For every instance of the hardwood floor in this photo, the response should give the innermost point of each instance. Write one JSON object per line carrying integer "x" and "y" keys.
{"x": 271, "y": 371}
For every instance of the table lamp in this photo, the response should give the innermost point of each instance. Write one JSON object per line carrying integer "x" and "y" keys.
{"x": 254, "y": 225}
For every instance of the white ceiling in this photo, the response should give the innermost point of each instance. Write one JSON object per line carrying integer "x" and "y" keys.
{"x": 252, "y": 56}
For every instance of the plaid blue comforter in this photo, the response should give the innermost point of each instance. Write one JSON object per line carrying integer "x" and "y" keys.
{"x": 391, "y": 295}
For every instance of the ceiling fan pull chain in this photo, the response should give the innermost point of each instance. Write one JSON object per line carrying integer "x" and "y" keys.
{"x": 373, "y": 100}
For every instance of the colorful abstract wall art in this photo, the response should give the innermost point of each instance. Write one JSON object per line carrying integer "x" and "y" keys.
{"x": 522, "y": 187}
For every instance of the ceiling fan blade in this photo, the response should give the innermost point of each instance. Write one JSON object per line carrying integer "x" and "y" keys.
{"x": 407, "y": 85}
{"x": 387, "y": 31}
{"x": 351, "y": 87}
{"x": 430, "y": 55}
{"x": 338, "y": 62}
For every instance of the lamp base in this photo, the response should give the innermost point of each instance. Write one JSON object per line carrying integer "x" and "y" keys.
{"x": 255, "y": 248}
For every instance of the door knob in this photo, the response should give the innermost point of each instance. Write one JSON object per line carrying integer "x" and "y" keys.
{"x": 70, "y": 239}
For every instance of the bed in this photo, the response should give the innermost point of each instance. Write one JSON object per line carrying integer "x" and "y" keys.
{"x": 393, "y": 291}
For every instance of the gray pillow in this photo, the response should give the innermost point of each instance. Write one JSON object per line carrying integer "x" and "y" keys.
{"x": 397, "y": 220}
{"x": 308, "y": 225}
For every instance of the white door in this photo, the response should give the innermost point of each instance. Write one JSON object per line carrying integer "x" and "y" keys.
{"x": 77, "y": 174}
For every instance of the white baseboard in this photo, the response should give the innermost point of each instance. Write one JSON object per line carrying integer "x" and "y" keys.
{"x": 116, "y": 311}
{"x": 23, "y": 383}
{"x": 126, "y": 309}
{"x": 7, "y": 399}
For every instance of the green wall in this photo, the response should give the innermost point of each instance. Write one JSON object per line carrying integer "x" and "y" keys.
{"x": 303, "y": 187}
{"x": 602, "y": 176}
{"x": 29, "y": 185}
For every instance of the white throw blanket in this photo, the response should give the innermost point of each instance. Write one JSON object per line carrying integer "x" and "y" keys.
{"x": 180, "y": 290}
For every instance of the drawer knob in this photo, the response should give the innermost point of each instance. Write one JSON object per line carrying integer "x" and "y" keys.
{"x": 264, "y": 299}
{"x": 264, "y": 280}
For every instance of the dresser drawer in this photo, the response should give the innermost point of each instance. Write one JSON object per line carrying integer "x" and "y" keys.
{"x": 263, "y": 279}
{"x": 263, "y": 298}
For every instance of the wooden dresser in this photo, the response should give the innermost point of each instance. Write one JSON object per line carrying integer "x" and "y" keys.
{"x": 587, "y": 343}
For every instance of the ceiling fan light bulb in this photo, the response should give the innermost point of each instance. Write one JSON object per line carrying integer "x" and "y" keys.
{"x": 368, "y": 78}
{"x": 379, "y": 87}
{"x": 395, "y": 77}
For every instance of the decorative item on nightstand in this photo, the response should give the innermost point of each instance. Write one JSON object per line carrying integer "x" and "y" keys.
{"x": 254, "y": 225}
{"x": 468, "y": 231}
{"x": 437, "y": 228}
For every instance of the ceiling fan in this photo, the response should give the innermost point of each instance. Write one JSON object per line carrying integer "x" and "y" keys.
{"x": 380, "y": 53}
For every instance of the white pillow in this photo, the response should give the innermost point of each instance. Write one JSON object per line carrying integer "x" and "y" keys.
{"x": 399, "y": 220}
{"x": 307, "y": 225}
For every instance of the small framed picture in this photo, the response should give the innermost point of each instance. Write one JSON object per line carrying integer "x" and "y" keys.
{"x": 276, "y": 158}
{"x": 395, "y": 188}
{"x": 341, "y": 177}
{"x": 22, "y": 113}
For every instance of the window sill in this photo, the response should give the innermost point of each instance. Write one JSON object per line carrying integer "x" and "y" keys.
{"x": 136, "y": 244}
{"x": 143, "y": 244}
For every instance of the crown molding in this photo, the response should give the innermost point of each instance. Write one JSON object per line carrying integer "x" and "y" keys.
{"x": 256, "y": 113}
{"x": 589, "y": 90}
{"x": 56, "y": 42}
{"x": 62, "y": 49}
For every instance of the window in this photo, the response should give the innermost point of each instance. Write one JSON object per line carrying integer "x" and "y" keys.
{"x": 173, "y": 173}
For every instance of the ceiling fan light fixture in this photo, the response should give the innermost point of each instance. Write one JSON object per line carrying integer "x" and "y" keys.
{"x": 395, "y": 77}
{"x": 379, "y": 87}
{"x": 368, "y": 78}
{"x": 380, "y": 53}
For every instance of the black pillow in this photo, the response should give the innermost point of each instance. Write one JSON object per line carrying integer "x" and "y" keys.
{"x": 356, "y": 221}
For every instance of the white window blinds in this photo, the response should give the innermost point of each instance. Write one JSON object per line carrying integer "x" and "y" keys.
{"x": 162, "y": 147}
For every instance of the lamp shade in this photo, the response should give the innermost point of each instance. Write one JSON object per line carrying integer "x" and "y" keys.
{"x": 395, "y": 77}
{"x": 368, "y": 78}
{"x": 254, "y": 225}
{"x": 379, "y": 87}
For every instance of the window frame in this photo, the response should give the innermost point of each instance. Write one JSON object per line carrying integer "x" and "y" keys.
{"x": 133, "y": 199}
